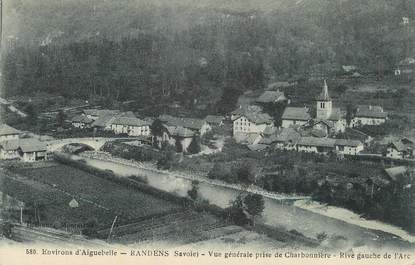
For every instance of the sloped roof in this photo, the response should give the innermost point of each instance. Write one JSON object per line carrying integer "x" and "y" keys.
{"x": 400, "y": 145}
{"x": 257, "y": 147}
{"x": 369, "y": 111}
{"x": 82, "y": 119}
{"x": 103, "y": 121}
{"x": 271, "y": 96}
{"x": 130, "y": 121}
{"x": 180, "y": 131}
{"x": 258, "y": 118}
{"x": 318, "y": 133}
{"x": 8, "y": 130}
{"x": 287, "y": 135}
{"x": 100, "y": 112}
{"x": 246, "y": 109}
{"x": 214, "y": 119}
{"x": 190, "y": 123}
{"x": 346, "y": 142}
{"x": 395, "y": 172}
{"x": 293, "y": 113}
{"x": 319, "y": 142}
{"x": 31, "y": 145}
{"x": 10, "y": 145}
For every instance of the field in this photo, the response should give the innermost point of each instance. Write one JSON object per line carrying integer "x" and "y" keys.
{"x": 55, "y": 186}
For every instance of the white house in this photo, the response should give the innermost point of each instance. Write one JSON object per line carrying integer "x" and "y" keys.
{"x": 293, "y": 116}
{"x": 369, "y": 115}
{"x": 8, "y": 133}
{"x": 130, "y": 126}
{"x": 348, "y": 147}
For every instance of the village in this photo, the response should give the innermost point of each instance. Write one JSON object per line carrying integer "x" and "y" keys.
{"x": 216, "y": 132}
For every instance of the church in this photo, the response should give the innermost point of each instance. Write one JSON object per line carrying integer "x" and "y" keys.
{"x": 328, "y": 120}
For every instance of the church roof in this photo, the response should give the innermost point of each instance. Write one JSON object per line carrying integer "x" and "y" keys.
{"x": 324, "y": 95}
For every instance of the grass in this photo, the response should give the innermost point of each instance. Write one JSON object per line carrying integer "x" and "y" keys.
{"x": 97, "y": 197}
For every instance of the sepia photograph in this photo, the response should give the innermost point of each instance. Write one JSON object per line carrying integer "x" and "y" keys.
{"x": 207, "y": 131}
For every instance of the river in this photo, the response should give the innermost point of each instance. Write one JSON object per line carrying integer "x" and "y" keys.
{"x": 277, "y": 213}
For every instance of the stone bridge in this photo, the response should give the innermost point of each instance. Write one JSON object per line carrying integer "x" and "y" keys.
{"x": 95, "y": 143}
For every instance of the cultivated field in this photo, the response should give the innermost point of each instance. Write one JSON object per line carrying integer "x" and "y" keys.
{"x": 98, "y": 198}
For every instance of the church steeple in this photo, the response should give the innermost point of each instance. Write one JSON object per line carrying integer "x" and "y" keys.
{"x": 324, "y": 103}
{"x": 324, "y": 95}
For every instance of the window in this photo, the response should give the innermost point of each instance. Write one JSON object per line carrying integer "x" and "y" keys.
{"x": 322, "y": 105}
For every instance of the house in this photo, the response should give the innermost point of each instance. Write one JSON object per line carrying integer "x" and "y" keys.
{"x": 9, "y": 149}
{"x": 369, "y": 115}
{"x": 94, "y": 114}
{"x": 316, "y": 145}
{"x": 214, "y": 120}
{"x": 26, "y": 149}
{"x": 245, "y": 109}
{"x": 104, "y": 122}
{"x": 326, "y": 111}
{"x": 294, "y": 116}
{"x": 270, "y": 97}
{"x": 348, "y": 147}
{"x": 175, "y": 135}
{"x": 252, "y": 123}
{"x": 403, "y": 148}
{"x": 130, "y": 126}
{"x": 286, "y": 139}
{"x": 8, "y": 133}
{"x": 81, "y": 122}
{"x": 199, "y": 126}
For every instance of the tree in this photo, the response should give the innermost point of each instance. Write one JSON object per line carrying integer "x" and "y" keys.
{"x": 60, "y": 118}
{"x": 350, "y": 112}
{"x": 254, "y": 204}
{"x": 194, "y": 147}
{"x": 32, "y": 114}
{"x": 245, "y": 174}
{"x": 7, "y": 230}
{"x": 193, "y": 192}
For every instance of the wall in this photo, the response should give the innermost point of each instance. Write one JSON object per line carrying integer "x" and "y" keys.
{"x": 290, "y": 123}
{"x": 9, "y": 137}
{"x": 359, "y": 121}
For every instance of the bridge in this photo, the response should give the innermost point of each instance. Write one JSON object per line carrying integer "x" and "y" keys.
{"x": 95, "y": 143}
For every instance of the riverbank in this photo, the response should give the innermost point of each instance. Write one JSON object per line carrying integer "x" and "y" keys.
{"x": 277, "y": 212}
{"x": 353, "y": 218}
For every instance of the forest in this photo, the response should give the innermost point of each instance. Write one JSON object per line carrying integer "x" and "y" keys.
{"x": 196, "y": 55}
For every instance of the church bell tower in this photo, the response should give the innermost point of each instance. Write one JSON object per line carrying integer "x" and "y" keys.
{"x": 324, "y": 104}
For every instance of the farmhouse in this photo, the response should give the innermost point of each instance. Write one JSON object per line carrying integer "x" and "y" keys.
{"x": 293, "y": 116}
{"x": 404, "y": 148}
{"x": 348, "y": 147}
{"x": 8, "y": 133}
{"x": 316, "y": 145}
{"x": 81, "y": 122}
{"x": 198, "y": 126}
{"x": 26, "y": 149}
{"x": 31, "y": 150}
{"x": 130, "y": 126}
{"x": 369, "y": 115}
